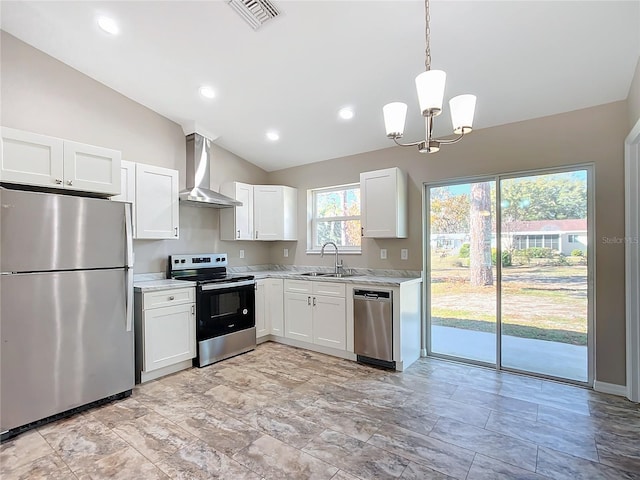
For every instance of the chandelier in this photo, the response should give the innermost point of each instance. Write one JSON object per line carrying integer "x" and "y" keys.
{"x": 430, "y": 86}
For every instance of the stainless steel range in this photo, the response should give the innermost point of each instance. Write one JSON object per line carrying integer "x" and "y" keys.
{"x": 225, "y": 306}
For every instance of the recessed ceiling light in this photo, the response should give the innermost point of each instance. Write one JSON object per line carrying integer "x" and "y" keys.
{"x": 109, "y": 25}
{"x": 346, "y": 113}
{"x": 207, "y": 92}
{"x": 273, "y": 135}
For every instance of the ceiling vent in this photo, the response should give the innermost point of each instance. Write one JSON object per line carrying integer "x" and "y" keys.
{"x": 255, "y": 12}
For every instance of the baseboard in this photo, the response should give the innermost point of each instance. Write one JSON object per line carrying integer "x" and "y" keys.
{"x": 611, "y": 388}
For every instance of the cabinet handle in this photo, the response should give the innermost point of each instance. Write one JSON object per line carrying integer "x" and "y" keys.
{"x": 176, "y": 230}
{"x": 256, "y": 234}
{"x": 362, "y": 231}
{"x": 314, "y": 301}
{"x": 69, "y": 182}
{"x": 193, "y": 309}
{"x": 238, "y": 233}
{"x": 172, "y": 297}
{"x": 58, "y": 181}
{"x": 308, "y": 300}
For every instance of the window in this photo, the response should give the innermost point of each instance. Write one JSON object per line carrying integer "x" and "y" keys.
{"x": 335, "y": 217}
{"x": 573, "y": 238}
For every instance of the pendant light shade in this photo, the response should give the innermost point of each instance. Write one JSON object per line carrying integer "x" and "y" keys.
{"x": 462, "y": 110}
{"x": 430, "y": 86}
{"x": 395, "y": 114}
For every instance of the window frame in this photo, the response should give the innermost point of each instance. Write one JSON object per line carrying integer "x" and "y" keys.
{"x": 312, "y": 219}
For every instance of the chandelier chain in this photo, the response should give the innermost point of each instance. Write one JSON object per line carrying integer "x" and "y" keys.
{"x": 427, "y": 61}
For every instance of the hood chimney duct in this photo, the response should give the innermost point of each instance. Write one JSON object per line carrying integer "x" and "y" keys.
{"x": 198, "y": 192}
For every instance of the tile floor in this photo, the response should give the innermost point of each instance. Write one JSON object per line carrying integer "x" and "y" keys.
{"x": 284, "y": 413}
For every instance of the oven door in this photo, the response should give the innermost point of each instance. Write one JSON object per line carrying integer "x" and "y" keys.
{"x": 224, "y": 308}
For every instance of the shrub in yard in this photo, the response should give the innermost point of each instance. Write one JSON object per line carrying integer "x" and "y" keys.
{"x": 539, "y": 252}
{"x": 464, "y": 250}
{"x": 506, "y": 258}
{"x": 577, "y": 253}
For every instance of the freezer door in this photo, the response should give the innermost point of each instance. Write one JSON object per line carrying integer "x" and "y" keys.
{"x": 64, "y": 342}
{"x": 44, "y": 231}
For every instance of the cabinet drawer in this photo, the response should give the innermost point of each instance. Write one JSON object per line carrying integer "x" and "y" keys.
{"x": 333, "y": 289}
{"x": 165, "y": 298}
{"x": 297, "y": 286}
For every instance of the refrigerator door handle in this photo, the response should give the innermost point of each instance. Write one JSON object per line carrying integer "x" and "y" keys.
{"x": 128, "y": 228}
{"x": 129, "y": 266}
{"x": 129, "y": 299}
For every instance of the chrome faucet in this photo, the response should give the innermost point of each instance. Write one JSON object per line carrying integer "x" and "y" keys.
{"x": 338, "y": 264}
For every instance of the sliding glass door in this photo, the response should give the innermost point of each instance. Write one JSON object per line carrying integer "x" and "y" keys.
{"x": 462, "y": 278}
{"x": 544, "y": 294}
{"x": 521, "y": 302}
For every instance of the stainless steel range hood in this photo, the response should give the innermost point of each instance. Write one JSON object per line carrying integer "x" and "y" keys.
{"x": 198, "y": 192}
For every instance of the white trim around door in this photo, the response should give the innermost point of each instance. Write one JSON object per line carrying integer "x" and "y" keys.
{"x": 632, "y": 260}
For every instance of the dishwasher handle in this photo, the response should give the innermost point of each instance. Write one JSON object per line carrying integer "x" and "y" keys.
{"x": 371, "y": 295}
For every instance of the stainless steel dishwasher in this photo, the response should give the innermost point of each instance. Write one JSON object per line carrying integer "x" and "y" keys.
{"x": 373, "y": 327}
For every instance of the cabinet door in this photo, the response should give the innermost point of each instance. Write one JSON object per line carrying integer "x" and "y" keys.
{"x": 268, "y": 213}
{"x": 297, "y": 316}
{"x": 156, "y": 203}
{"x": 31, "y": 159}
{"x": 384, "y": 203}
{"x": 262, "y": 327}
{"x": 169, "y": 336}
{"x": 237, "y": 223}
{"x": 91, "y": 169}
{"x": 127, "y": 183}
{"x": 330, "y": 322}
{"x": 275, "y": 305}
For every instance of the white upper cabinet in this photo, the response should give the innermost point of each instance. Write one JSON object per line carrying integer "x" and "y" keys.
{"x": 91, "y": 169}
{"x": 34, "y": 159}
{"x": 275, "y": 212}
{"x": 127, "y": 183}
{"x": 268, "y": 212}
{"x": 384, "y": 203}
{"x": 237, "y": 223}
{"x": 156, "y": 202}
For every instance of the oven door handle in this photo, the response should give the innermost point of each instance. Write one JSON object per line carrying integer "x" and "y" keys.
{"x": 223, "y": 285}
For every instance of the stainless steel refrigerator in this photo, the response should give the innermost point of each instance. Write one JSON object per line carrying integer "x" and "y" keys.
{"x": 66, "y": 313}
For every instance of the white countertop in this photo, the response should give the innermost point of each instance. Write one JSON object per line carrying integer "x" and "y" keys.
{"x": 359, "y": 279}
{"x": 160, "y": 284}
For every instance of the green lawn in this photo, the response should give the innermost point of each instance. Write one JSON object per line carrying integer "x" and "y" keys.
{"x": 542, "y": 302}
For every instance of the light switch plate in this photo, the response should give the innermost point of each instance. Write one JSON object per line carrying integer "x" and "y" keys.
{"x": 241, "y": 253}
{"x": 383, "y": 253}
{"x": 404, "y": 254}
{"x": 286, "y": 252}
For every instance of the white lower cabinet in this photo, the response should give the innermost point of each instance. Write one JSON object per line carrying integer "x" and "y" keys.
{"x": 165, "y": 331}
{"x": 269, "y": 307}
{"x": 315, "y": 312}
{"x": 297, "y": 314}
{"x": 329, "y": 322}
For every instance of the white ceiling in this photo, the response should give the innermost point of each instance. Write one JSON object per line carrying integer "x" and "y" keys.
{"x": 523, "y": 59}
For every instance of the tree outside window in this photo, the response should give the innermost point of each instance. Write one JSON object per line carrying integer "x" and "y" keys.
{"x": 336, "y": 217}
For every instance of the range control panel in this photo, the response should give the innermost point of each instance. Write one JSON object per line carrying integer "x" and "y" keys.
{"x": 199, "y": 260}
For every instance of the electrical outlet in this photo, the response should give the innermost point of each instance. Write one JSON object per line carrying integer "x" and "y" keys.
{"x": 404, "y": 254}
{"x": 383, "y": 253}
{"x": 286, "y": 252}
{"x": 241, "y": 253}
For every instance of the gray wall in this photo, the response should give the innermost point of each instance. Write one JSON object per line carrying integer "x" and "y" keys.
{"x": 594, "y": 135}
{"x": 633, "y": 100}
{"x": 40, "y": 94}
